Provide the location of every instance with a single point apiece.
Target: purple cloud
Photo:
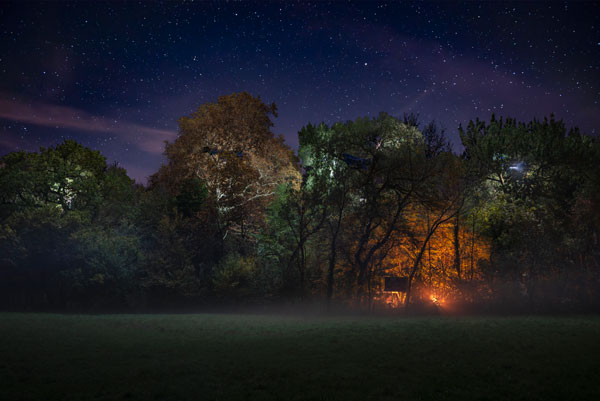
(147, 139)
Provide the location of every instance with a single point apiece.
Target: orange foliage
(438, 279)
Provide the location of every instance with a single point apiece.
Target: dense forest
(234, 217)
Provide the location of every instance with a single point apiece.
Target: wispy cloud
(147, 139)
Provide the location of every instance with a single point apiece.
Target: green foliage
(175, 264)
(40, 237)
(536, 160)
(181, 240)
(227, 218)
(119, 197)
(66, 227)
(533, 179)
(191, 197)
(369, 172)
(236, 278)
(106, 272)
(67, 176)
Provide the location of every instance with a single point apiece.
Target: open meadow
(258, 357)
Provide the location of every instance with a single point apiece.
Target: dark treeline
(235, 218)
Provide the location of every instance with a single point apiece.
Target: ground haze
(237, 357)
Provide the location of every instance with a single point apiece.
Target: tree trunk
(457, 266)
(301, 267)
(331, 268)
(411, 276)
(333, 257)
(369, 291)
(419, 257)
(473, 248)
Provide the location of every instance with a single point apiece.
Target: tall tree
(229, 146)
(57, 202)
(531, 173)
(375, 167)
(329, 181)
(440, 201)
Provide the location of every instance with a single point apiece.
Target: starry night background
(117, 76)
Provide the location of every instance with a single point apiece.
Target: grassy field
(249, 357)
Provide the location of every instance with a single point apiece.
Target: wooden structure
(396, 287)
(395, 284)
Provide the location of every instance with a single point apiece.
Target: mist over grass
(270, 357)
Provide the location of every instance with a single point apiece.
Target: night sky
(117, 76)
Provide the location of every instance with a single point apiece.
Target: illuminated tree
(229, 146)
(531, 174)
(374, 168)
(65, 226)
(67, 176)
(328, 180)
(437, 204)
